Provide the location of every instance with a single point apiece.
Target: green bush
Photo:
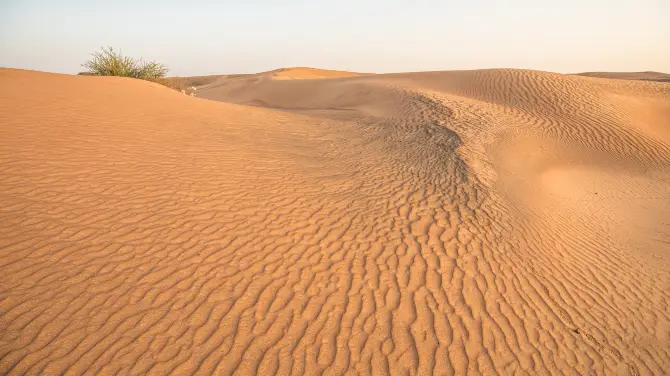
(112, 63)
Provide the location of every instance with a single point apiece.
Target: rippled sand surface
(438, 223)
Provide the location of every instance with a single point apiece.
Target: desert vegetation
(110, 62)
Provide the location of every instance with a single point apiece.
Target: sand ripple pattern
(440, 223)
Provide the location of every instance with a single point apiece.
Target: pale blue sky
(210, 37)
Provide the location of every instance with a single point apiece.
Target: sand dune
(310, 73)
(645, 76)
(277, 74)
(466, 222)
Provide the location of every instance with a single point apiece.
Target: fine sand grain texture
(442, 223)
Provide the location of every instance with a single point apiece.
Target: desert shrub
(112, 63)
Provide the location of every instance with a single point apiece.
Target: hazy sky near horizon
(218, 37)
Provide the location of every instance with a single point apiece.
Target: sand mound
(195, 81)
(310, 73)
(645, 76)
(278, 74)
(471, 222)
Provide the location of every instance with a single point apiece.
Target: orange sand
(447, 223)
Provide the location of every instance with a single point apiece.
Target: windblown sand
(447, 223)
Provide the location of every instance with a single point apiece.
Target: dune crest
(303, 73)
(467, 222)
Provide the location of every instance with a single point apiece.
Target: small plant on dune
(111, 63)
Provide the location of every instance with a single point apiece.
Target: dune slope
(646, 76)
(472, 222)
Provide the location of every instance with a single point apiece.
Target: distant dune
(279, 74)
(197, 80)
(467, 222)
(645, 76)
(310, 73)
